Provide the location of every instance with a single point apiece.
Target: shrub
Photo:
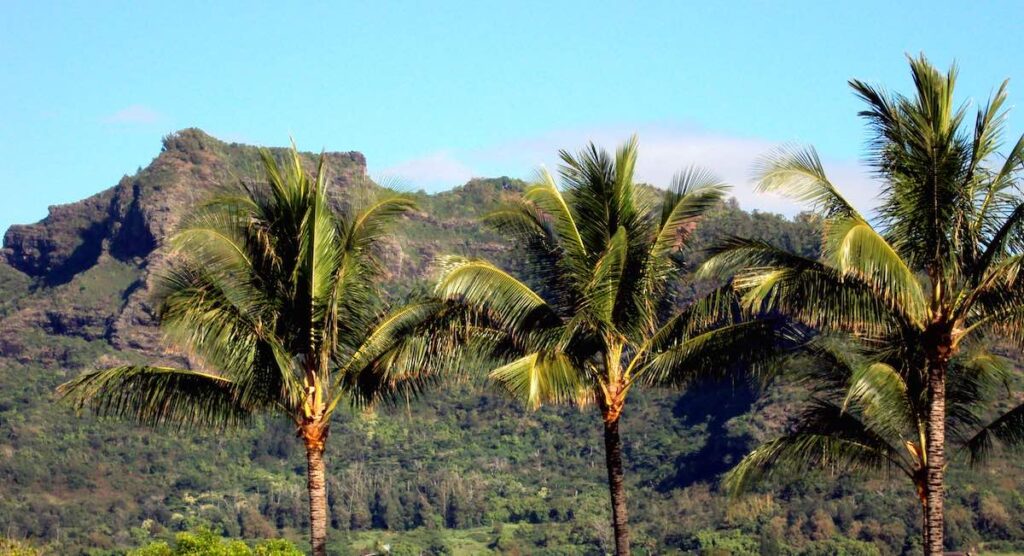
(204, 542)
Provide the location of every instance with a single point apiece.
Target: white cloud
(664, 151)
(135, 114)
(441, 169)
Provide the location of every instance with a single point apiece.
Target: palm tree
(941, 263)
(868, 414)
(598, 319)
(273, 295)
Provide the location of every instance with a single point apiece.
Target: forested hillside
(460, 470)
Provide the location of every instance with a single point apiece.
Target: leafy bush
(726, 543)
(204, 542)
(11, 547)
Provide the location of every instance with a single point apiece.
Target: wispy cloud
(436, 170)
(664, 151)
(135, 114)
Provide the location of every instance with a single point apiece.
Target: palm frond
(996, 248)
(490, 289)
(604, 289)
(771, 279)
(546, 196)
(854, 247)
(717, 307)
(1007, 429)
(976, 377)
(215, 234)
(409, 348)
(541, 378)
(603, 194)
(798, 173)
(919, 150)
(726, 350)
(804, 451)
(997, 307)
(693, 192)
(375, 220)
(557, 262)
(878, 391)
(221, 320)
(988, 127)
(998, 194)
(158, 396)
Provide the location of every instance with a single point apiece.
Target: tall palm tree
(597, 319)
(867, 413)
(940, 264)
(273, 294)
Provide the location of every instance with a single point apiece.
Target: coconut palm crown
(273, 295)
(598, 319)
(937, 271)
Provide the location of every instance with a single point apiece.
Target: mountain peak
(190, 138)
(130, 219)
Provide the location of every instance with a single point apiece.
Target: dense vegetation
(463, 470)
(466, 470)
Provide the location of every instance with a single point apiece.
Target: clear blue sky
(436, 91)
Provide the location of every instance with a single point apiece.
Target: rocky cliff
(91, 263)
(86, 270)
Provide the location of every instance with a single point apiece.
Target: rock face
(66, 241)
(129, 219)
(111, 244)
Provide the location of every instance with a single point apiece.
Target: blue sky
(434, 93)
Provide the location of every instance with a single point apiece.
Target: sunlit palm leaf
(798, 173)
(484, 285)
(853, 247)
(158, 396)
(540, 378)
(693, 192)
(797, 453)
(548, 198)
(880, 393)
(604, 289)
(771, 279)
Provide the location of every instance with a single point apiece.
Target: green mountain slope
(466, 469)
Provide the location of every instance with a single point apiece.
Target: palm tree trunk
(317, 484)
(924, 522)
(613, 458)
(936, 456)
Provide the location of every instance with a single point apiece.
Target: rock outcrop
(97, 258)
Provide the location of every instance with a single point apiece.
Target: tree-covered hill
(463, 471)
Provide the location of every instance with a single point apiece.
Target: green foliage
(840, 546)
(465, 462)
(11, 547)
(204, 542)
(723, 543)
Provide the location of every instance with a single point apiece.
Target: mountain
(465, 471)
